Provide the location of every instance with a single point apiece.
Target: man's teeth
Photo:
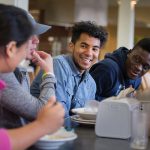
(85, 59)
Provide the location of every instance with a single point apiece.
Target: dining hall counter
(87, 140)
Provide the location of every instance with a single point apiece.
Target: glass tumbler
(139, 136)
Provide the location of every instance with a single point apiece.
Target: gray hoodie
(16, 100)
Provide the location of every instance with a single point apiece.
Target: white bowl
(55, 140)
(85, 113)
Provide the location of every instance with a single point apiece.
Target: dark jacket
(110, 75)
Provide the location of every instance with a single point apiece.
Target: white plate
(85, 113)
(55, 140)
(78, 119)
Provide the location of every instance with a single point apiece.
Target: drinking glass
(139, 137)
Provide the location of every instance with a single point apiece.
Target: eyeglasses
(136, 59)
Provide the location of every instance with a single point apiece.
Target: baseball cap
(38, 28)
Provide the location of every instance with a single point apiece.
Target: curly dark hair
(91, 29)
(144, 44)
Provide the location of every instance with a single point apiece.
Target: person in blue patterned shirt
(74, 84)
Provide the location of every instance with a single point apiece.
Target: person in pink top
(14, 41)
(5, 140)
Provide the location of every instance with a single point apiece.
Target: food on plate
(62, 133)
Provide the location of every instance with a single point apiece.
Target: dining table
(88, 140)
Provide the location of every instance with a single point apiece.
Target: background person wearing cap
(38, 29)
(16, 100)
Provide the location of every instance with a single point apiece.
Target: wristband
(47, 73)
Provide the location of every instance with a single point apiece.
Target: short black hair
(14, 25)
(91, 29)
(144, 44)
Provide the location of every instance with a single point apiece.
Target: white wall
(19, 3)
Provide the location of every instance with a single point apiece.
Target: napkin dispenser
(114, 117)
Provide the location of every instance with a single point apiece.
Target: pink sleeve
(4, 140)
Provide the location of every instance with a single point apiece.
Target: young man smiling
(121, 69)
(74, 83)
